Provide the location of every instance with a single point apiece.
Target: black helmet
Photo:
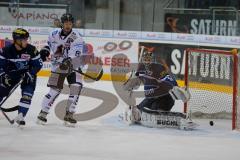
(20, 33)
(67, 17)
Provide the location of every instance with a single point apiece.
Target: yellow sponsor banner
(193, 85)
(105, 77)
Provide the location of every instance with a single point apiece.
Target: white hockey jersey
(73, 44)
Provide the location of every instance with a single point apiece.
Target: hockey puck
(211, 123)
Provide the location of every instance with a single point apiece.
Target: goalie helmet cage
(211, 76)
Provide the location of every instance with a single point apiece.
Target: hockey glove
(140, 73)
(5, 80)
(66, 63)
(44, 53)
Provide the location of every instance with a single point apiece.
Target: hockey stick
(97, 78)
(13, 89)
(10, 93)
(6, 116)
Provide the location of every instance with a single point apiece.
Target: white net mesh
(210, 82)
(210, 104)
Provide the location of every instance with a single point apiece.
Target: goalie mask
(147, 57)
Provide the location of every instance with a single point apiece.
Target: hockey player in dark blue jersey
(19, 63)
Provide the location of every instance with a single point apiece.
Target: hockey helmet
(148, 56)
(20, 33)
(67, 17)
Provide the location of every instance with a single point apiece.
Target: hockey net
(211, 76)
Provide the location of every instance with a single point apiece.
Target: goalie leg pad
(160, 120)
(167, 120)
(56, 80)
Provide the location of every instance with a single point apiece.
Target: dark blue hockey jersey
(26, 60)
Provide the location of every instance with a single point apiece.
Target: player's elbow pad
(36, 66)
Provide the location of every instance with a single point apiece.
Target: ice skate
(42, 118)
(69, 121)
(20, 120)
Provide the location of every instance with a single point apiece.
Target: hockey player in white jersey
(65, 45)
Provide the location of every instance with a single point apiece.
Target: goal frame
(234, 54)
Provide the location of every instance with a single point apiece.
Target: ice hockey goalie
(161, 91)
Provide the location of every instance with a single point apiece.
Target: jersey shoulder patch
(78, 34)
(55, 32)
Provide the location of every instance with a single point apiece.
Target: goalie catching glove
(178, 93)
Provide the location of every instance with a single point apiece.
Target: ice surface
(107, 138)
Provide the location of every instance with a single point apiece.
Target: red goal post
(211, 76)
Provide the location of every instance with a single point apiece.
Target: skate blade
(68, 124)
(41, 122)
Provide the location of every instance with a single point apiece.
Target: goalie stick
(133, 72)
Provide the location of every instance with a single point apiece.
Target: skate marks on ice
(109, 102)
